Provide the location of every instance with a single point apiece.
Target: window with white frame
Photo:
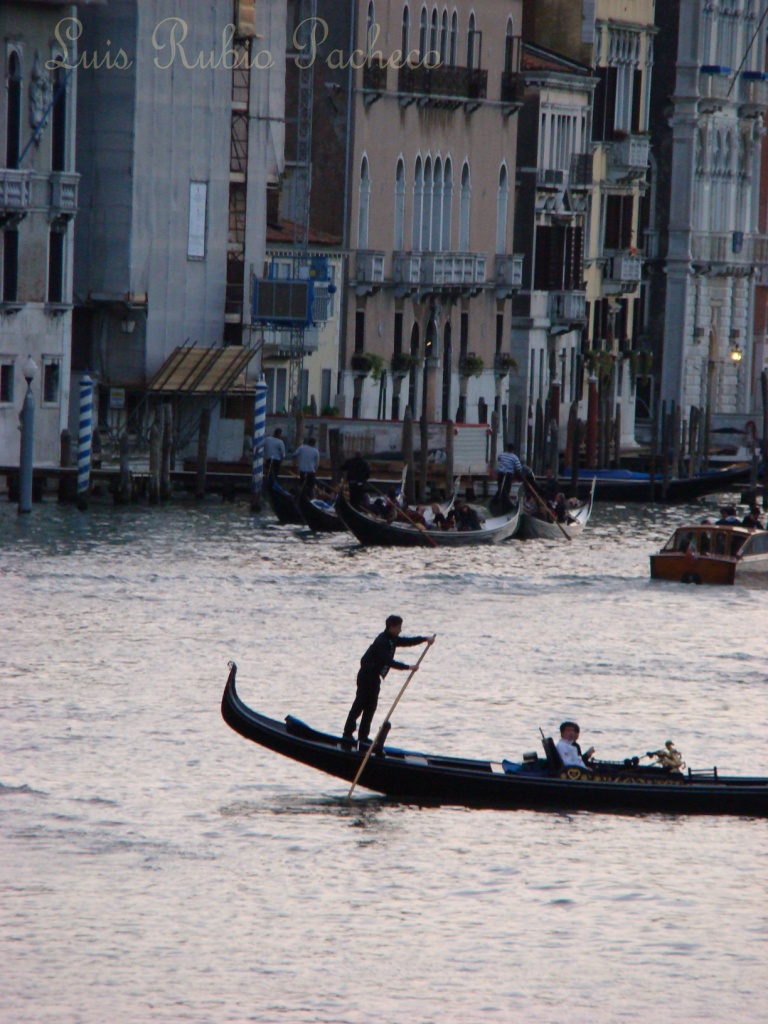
(426, 210)
(405, 33)
(436, 237)
(444, 37)
(7, 376)
(471, 43)
(445, 240)
(453, 57)
(399, 239)
(423, 32)
(51, 380)
(434, 38)
(464, 208)
(364, 207)
(13, 111)
(624, 56)
(277, 389)
(418, 200)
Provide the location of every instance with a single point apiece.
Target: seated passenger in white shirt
(569, 750)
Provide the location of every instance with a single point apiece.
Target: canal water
(156, 867)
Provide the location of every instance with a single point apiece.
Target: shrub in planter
(367, 363)
(503, 362)
(471, 365)
(402, 362)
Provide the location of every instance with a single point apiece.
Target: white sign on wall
(198, 194)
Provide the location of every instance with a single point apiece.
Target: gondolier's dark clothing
(374, 665)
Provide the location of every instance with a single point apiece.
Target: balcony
(566, 310)
(374, 82)
(286, 345)
(628, 158)
(623, 272)
(753, 93)
(550, 179)
(406, 273)
(443, 86)
(509, 275)
(731, 253)
(715, 85)
(512, 91)
(63, 195)
(369, 271)
(447, 272)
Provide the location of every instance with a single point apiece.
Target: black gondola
(374, 531)
(320, 516)
(533, 784)
(625, 485)
(284, 505)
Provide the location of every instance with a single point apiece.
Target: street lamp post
(27, 427)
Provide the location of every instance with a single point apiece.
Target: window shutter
(637, 92)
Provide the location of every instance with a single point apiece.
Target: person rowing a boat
(569, 749)
(374, 665)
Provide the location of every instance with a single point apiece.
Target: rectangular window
(326, 383)
(464, 335)
(51, 380)
(398, 335)
(619, 212)
(10, 266)
(359, 330)
(59, 121)
(6, 380)
(304, 388)
(198, 196)
(281, 390)
(56, 267)
(499, 331)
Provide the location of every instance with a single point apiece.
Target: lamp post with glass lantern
(27, 427)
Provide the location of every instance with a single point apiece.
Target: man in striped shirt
(508, 468)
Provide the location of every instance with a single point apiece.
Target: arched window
(13, 114)
(454, 54)
(471, 32)
(444, 38)
(399, 239)
(445, 240)
(418, 200)
(405, 34)
(365, 202)
(370, 28)
(59, 121)
(423, 24)
(434, 40)
(437, 206)
(426, 213)
(511, 57)
(464, 209)
(502, 206)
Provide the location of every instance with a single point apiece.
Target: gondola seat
(554, 761)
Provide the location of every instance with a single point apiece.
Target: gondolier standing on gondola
(374, 665)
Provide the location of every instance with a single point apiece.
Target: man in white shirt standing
(569, 750)
(274, 453)
(307, 460)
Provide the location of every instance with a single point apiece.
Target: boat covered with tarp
(534, 782)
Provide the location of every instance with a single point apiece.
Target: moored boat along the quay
(711, 553)
(535, 783)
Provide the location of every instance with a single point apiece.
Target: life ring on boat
(691, 577)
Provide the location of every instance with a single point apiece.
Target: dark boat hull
(424, 779)
(618, 486)
(284, 506)
(318, 519)
(372, 531)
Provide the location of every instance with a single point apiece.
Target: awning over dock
(201, 371)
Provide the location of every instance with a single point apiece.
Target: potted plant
(365, 363)
(503, 362)
(471, 365)
(402, 362)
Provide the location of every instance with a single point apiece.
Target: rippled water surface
(156, 867)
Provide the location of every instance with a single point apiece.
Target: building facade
(413, 153)
(707, 240)
(38, 202)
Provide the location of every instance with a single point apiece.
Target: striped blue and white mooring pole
(85, 436)
(259, 436)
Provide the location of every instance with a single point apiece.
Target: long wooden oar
(424, 533)
(547, 509)
(386, 720)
